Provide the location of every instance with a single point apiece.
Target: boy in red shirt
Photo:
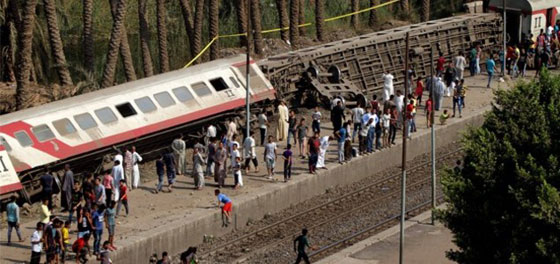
(81, 248)
(123, 199)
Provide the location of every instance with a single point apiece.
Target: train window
(105, 115)
(4, 143)
(23, 138)
(219, 84)
(234, 81)
(145, 104)
(85, 121)
(164, 99)
(42, 132)
(64, 126)
(126, 110)
(183, 94)
(201, 89)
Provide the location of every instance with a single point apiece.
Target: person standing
(226, 207)
(117, 173)
(341, 136)
(387, 85)
(399, 102)
(393, 127)
(316, 123)
(170, 166)
(371, 132)
(250, 153)
(472, 60)
(287, 156)
(457, 99)
(110, 214)
(410, 118)
(109, 185)
(386, 120)
(440, 65)
(263, 125)
(198, 169)
(47, 181)
(211, 133)
(98, 217)
(85, 224)
(12, 213)
(378, 131)
(178, 146)
(374, 103)
(210, 157)
(160, 171)
(419, 90)
(313, 152)
(302, 137)
(87, 189)
(127, 172)
(357, 113)
(477, 62)
(460, 63)
(337, 116)
(45, 213)
(522, 62)
(231, 129)
(37, 244)
(300, 243)
(67, 186)
(77, 196)
(99, 190)
(270, 156)
(292, 123)
(236, 166)
(450, 74)
(123, 198)
(220, 160)
(282, 128)
(439, 89)
(490, 68)
(428, 110)
(136, 158)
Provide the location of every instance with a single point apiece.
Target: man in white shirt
(36, 244)
(236, 166)
(117, 173)
(460, 63)
(263, 123)
(136, 158)
(250, 153)
(399, 103)
(179, 147)
(232, 129)
(438, 94)
(357, 113)
(387, 85)
(270, 157)
(210, 133)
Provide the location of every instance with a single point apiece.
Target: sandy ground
(149, 210)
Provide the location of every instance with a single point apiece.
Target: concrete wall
(174, 237)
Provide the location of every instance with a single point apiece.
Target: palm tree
(126, 56)
(24, 52)
(214, 24)
(257, 26)
(241, 11)
(145, 39)
(301, 18)
(355, 18)
(294, 30)
(55, 42)
(13, 22)
(186, 9)
(162, 35)
(373, 13)
(114, 45)
(198, 21)
(319, 13)
(87, 35)
(425, 10)
(282, 18)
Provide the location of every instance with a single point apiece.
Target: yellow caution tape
(285, 28)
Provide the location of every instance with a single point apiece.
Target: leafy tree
(504, 205)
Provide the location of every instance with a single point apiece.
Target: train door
(549, 17)
(513, 27)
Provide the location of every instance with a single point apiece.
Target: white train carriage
(65, 130)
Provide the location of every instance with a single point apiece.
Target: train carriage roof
(121, 89)
(525, 5)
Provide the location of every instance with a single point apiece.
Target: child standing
(123, 199)
(270, 156)
(110, 223)
(65, 239)
(287, 155)
(316, 117)
(302, 137)
(98, 219)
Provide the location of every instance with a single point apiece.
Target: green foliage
(504, 206)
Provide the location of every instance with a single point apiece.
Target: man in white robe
(136, 158)
(388, 88)
(324, 141)
(282, 129)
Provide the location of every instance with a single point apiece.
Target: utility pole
(405, 136)
(505, 41)
(432, 85)
(248, 71)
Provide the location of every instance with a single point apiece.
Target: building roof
(525, 5)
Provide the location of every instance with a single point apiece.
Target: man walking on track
(226, 207)
(302, 242)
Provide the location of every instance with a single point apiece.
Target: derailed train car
(152, 111)
(353, 67)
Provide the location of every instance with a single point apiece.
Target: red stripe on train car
(10, 188)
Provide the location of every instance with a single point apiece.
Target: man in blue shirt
(98, 219)
(226, 208)
(490, 67)
(12, 212)
(341, 135)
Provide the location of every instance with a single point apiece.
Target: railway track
(256, 246)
